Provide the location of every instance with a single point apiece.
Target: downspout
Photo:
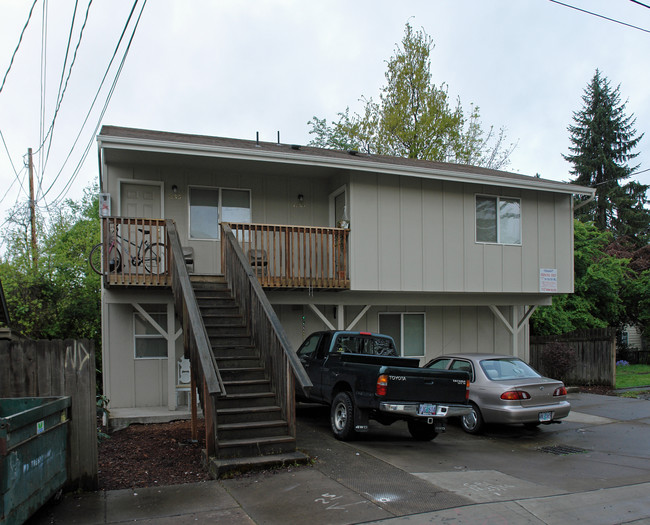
(583, 204)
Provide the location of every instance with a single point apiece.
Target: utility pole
(32, 206)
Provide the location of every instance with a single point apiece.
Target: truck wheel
(421, 431)
(472, 423)
(342, 417)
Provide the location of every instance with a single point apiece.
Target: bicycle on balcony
(148, 254)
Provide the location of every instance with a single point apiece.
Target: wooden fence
(59, 368)
(596, 356)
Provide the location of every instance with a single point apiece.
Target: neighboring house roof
(114, 137)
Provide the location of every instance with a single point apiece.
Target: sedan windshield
(503, 369)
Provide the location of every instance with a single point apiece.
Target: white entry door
(140, 200)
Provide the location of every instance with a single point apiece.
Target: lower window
(407, 329)
(149, 343)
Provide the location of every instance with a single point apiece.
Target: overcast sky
(234, 67)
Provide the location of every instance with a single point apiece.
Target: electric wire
(77, 169)
(640, 3)
(19, 41)
(83, 125)
(65, 85)
(17, 178)
(10, 160)
(43, 72)
(600, 16)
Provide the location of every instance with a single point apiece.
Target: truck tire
(421, 431)
(342, 417)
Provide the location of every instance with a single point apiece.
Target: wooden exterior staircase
(242, 363)
(249, 417)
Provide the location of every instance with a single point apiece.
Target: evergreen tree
(414, 118)
(603, 139)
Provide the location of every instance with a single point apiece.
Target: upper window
(407, 329)
(209, 206)
(498, 220)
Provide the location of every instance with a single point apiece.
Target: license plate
(545, 416)
(427, 409)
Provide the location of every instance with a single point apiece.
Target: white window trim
(401, 343)
(498, 199)
(147, 336)
(219, 208)
(332, 199)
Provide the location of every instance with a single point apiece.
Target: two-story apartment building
(443, 257)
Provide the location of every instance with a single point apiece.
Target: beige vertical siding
(419, 235)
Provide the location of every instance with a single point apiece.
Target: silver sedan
(504, 389)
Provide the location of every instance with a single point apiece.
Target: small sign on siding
(548, 280)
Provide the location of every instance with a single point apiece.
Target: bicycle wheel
(154, 258)
(96, 258)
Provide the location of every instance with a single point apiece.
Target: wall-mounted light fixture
(300, 203)
(175, 193)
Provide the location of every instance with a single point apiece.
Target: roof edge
(489, 177)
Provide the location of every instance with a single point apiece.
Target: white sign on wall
(548, 280)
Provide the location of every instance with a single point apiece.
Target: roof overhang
(486, 177)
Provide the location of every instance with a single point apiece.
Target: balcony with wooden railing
(136, 252)
(296, 256)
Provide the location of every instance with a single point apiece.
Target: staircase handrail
(299, 372)
(185, 298)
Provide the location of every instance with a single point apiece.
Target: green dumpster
(33, 444)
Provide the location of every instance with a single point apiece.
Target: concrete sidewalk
(502, 477)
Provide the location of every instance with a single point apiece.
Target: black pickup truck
(361, 377)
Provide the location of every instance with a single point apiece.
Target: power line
(640, 3)
(108, 98)
(600, 16)
(19, 41)
(92, 105)
(10, 160)
(61, 94)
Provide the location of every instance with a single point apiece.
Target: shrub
(558, 359)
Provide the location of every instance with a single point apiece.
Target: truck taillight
(382, 385)
(467, 390)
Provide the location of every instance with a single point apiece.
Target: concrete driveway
(593, 468)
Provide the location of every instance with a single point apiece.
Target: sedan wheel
(473, 422)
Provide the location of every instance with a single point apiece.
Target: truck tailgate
(426, 385)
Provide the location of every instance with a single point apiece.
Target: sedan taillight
(515, 395)
(560, 391)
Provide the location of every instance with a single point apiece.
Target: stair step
(228, 330)
(224, 314)
(237, 362)
(242, 373)
(247, 400)
(229, 341)
(251, 430)
(242, 415)
(234, 448)
(254, 386)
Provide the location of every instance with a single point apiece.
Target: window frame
(220, 190)
(157, 335)
(400, 344)
(498, 200)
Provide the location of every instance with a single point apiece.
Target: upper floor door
(140, 200)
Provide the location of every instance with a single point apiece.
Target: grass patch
(630, 376)
(634, 393)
